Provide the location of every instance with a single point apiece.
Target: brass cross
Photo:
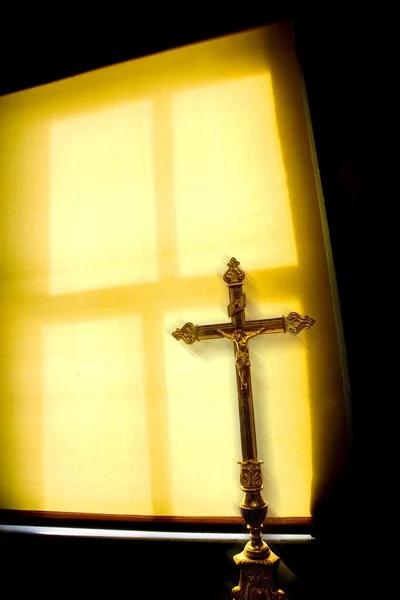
(253, 506)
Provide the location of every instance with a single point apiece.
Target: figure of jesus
(242, 357)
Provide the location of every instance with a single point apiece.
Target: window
(126, 192)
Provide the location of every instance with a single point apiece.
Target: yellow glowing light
(282, 402)
(94, 417)
(102, 211)
(229, 176)
(202, 420)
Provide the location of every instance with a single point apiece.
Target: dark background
(335, 55)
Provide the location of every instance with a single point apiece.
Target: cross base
(257, 577)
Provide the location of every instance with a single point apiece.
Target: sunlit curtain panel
(123, 194)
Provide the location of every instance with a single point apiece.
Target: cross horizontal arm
(293, 324)
(191, 333)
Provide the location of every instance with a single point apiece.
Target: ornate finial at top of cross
(234, 274)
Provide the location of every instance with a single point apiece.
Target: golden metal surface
(257, 578)
(187, 333)
(295, 323)
(257, 563)
(242, 356)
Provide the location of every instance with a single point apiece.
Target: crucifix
(257, 563)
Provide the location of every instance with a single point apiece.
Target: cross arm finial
(187, 333)
(294, 323)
